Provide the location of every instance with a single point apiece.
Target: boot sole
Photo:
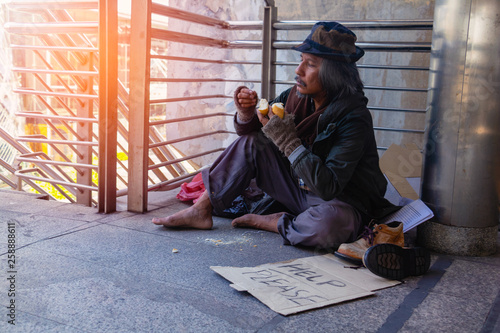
(396, 263)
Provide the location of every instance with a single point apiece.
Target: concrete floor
(80, 271)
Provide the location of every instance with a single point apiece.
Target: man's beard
(302, 83)
(302, 95)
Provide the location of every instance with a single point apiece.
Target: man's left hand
(282, 132)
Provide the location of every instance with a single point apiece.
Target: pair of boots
(381, 250)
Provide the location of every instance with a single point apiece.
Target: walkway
(80, 271)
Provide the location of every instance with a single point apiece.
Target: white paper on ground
(303, 284)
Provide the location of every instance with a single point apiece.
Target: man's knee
(324, 226)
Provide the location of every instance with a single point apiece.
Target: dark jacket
(342, 162)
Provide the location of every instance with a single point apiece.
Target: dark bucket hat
(331, 40)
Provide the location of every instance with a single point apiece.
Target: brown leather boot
(391, 233)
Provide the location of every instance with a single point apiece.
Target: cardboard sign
(305, 283)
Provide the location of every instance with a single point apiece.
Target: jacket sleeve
(248, 127)
(344, 144)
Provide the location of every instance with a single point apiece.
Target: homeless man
(320, 161)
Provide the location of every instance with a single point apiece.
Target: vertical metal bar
(108, 86)
(84, 131)
(268, 53)
(101, 192)
(140, 46)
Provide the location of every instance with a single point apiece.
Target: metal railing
(141, 79)
(71, 62)
(58, 94)
(65, 75)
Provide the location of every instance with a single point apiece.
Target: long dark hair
(340, 78)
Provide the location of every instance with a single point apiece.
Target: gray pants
(312, 221)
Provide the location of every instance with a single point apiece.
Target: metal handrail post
(84, 130)
(18, 180)
(108, 103)
(269, 35)
(140, 44)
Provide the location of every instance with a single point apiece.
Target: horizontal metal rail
(21, 158)
(245, 44)
(185, 158)
(54, 72)
(160, 9)
(57, 177)
(36, 114)
(364, 66)
(176, 120)
(368, 87)
(385, 108)
(21, 174)
(246, 25)
(393, 67)
(37, 28)
(53, 4)
(172, 183)
(180, 37)
(424, 90)
(54, 48)
(358, 25)
(396, 46)
(59, 142)
(212, 61)
(185, 80)
(403, 130)
(187, 138)
(370, 46)
(53, 94)
(189, 98)
(187, 16)
(165, 185)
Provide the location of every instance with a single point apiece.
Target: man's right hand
(246, 101)
(247, 98)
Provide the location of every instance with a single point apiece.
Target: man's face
(307, 78)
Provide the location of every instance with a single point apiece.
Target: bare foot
(263, 222)
(198, 216)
